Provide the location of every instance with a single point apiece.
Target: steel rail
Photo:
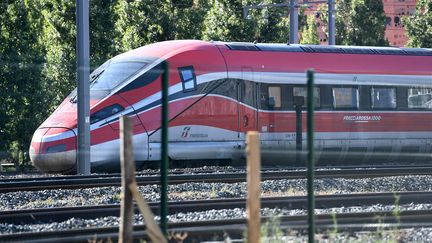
(41, 177)
(216, 229)
(29, 216)
(86, 182)
(8, 176)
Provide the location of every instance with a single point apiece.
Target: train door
(247, 93)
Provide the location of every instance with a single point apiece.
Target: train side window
(383, 98)
(420, 98)
(105, 113)
(345, 98)
(302, 91)
(188, 78)
(274, 96)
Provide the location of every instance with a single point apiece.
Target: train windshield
(108, 76)
(111, 74)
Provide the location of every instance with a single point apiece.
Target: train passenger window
(188, 78)
(274, 96)
(383, 98)
(345, 98)
(302, 91)
(420, 98)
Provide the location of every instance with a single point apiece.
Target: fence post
(298, 104)
(311, 159)
(128, 177)
(254, 188)
(164, 149)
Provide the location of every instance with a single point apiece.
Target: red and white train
(368, 100)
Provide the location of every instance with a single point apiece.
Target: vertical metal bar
(299, 129)
(331, 21)
(164, 148)
(293, 22)
(310, 145)
(83, 67)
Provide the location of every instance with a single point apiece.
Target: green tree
(21, 93)
(59, 39)
(225, 22)
(142, 22)
(358, 22)
(309, 34)
(102, 31)
(419, 26)
(367, 24)
(187, 18)
(342, 16)
(273, 25)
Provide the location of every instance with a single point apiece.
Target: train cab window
(420, 98)
(345, 98)
(383, 98)
(274, 97)
(188, 78)
(302, 91)
(105, 113)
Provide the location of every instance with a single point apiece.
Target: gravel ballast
(75, 223)
(194, 191)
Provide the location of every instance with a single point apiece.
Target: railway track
(215, 229)
(29, 216)
(74, 182)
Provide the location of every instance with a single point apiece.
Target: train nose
(53, 150)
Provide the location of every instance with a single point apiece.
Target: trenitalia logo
(362, 118)
(185, 132)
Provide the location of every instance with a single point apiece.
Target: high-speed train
(368, 100)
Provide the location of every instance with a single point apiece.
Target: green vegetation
(38, 46)
(419, 26)
(358, 22)
(310, 34)
(21, 79)
(271, 231)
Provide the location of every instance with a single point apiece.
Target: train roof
(160, 49)
(244, 46)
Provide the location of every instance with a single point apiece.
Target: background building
(395, 10)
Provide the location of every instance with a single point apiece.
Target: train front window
(110, 75)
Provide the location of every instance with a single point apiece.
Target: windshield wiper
(93, 80)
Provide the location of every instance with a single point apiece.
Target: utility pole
(83, 68)
(331, 21)
(293, 22)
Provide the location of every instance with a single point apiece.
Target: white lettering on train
(362, 118)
